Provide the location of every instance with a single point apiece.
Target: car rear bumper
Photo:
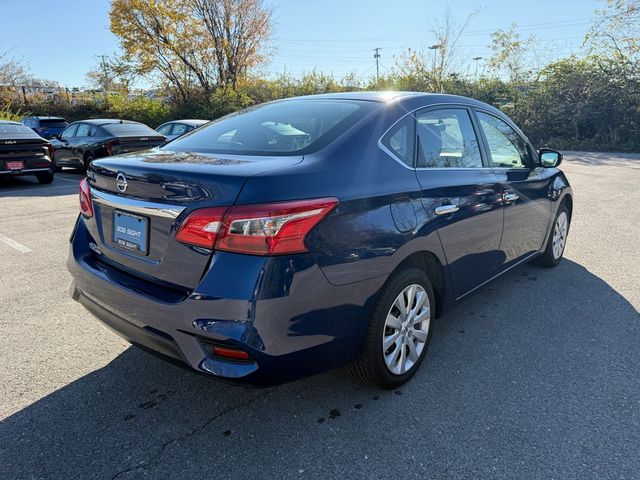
(280, 310)
(26, 171)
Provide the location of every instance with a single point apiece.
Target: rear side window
(446, 139)
(507, 148)
(400, 140)
(290, 127)
(129, 130)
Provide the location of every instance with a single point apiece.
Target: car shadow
(501, 351)
(28, 185)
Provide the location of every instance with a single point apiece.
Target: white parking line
(68, 180)
(12, 243)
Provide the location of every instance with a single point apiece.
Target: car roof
(190, 121)
(9, 122)
(44, 117)
(396, 97)
(104, 121)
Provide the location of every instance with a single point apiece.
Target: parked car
(24, 152)
(46, 127)
(309, 233)
(177, 128)
(82, 142)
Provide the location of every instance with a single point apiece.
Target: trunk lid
(32, 151)
(123, 145)
(141, 199)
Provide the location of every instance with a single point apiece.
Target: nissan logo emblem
(121, 182)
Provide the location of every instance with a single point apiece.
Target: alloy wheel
(560, 235)
(406, 329)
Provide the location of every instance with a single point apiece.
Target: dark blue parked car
(314, 232)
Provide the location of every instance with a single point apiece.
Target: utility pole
(376, 56)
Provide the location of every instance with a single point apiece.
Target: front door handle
(511, 197)
(446, 209)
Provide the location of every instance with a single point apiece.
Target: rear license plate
(14, 165)
(131, 232)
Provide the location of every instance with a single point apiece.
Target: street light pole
(476, 59)
(435, 49)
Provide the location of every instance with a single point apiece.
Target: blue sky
(61, 39)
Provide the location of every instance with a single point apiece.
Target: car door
(81, 140)
(63, 145)
(460, 193)
(525, 188)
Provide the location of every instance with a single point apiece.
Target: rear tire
(45, 178)
(407, 336)
(557, 241)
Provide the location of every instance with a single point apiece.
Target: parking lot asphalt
(535, 376)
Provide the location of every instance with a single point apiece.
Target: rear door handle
(511, 197)
(446, 209)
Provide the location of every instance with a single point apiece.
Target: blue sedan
(314, 232)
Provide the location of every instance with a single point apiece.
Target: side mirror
(549, 158)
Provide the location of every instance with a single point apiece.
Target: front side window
(507, 148)
(290, 127)
(400, 140)
(69, 132)
(165, 129)
(446, 139)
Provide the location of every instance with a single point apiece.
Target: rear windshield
(54, 123)
(130, 130)
(9, 130)
(290, 127)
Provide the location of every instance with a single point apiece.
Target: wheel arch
(431, 265)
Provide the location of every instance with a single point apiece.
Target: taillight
(109, 146)
(201, 228)
(51, 151)
(268, 229)
(86, 205)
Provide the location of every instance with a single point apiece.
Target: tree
(192, 43)
(510, 55)
(12, 72)
(238, 31)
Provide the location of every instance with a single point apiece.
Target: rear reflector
(86, 205)
(267, 229)
(231, 353)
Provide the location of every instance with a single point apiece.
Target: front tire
(399, 331)
(557, 241)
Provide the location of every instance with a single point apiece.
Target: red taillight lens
(86, 205)
(51, 151)
(201, 228)
(269, 229)
(273, 229)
